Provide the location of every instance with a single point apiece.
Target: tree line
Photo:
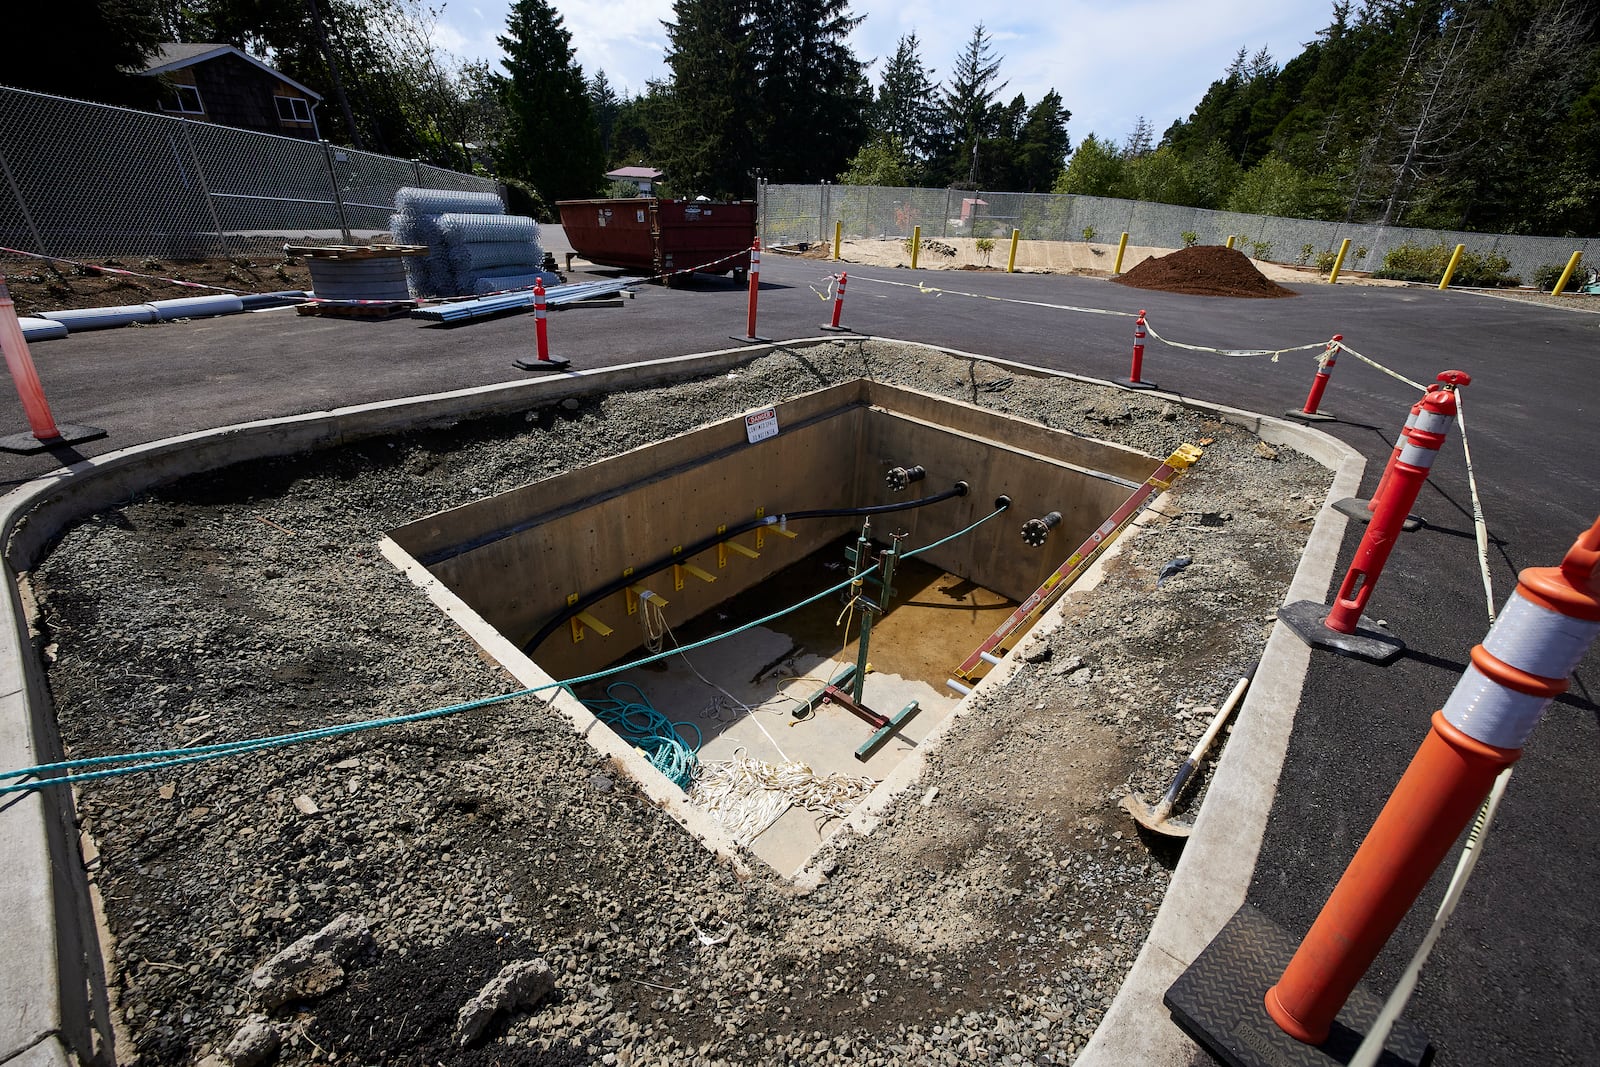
(1467, 115)
(1463, 114)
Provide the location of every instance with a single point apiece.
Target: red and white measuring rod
(1104, 534)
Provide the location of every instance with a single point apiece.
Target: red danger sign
(762, 424)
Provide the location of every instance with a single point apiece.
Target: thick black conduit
(615, 587)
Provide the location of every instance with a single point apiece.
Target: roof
(174, 55)
(645, 173)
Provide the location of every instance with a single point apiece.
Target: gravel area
(991, 917)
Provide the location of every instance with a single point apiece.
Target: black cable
(617, 586)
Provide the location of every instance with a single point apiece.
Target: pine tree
(606, 105)
(708, 130)
(966, 107)
(905, 108)
(90, 49)
(1042, 146)
(551, 140)
(813, 95)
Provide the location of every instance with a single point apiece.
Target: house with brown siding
(221, 84)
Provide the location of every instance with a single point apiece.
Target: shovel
(1156, 819)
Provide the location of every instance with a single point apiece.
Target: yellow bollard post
(1229, 242)
(838, 236)
(1449, 271)
(1011, 260)
(1566, 275)
(1338, 261)
(1122, 246)
(916, 245)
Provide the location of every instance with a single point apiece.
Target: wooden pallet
(364, 309)
(355, 251)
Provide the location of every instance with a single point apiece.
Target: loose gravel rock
(991, 917)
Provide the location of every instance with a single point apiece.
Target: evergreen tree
(966, 110)
(1042, 145)
(551, 140)
(606, 104)
(89, 49)
(813, 95)
(904, 112)
(707, 136)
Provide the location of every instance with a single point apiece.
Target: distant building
(219, 83)
(645, 178)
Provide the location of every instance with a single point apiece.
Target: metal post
(205, 190)
(338, 196)
(22, 205)
(948, 195)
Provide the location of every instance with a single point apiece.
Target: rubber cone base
(1129, 383)
(26, 444)
(1219, 1001)
(551, 364)
(1356, 508)
(1312, 416)
(1308, 619)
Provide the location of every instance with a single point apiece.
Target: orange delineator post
(541, 331)
(838, 300)
(19, 361)
(1524, 663)
(1134, 380)
(541, 334)
(1319, 384)
(1423, 442)
(755, 285)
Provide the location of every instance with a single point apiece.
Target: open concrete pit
(993, 908)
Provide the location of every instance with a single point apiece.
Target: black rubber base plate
(1129, 383)
(1356, 508)
(1219, 1001)
(551, 364)
(26, 444)
(1312, 416)
(1307, 619)
(751, 340)
(831, 328)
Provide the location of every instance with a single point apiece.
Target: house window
(293, 109)
(183, 99)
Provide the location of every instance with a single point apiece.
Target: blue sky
(1112, 60)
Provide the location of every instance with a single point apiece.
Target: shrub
(1546, 275)
(985, 246)
(1305, 254)
(1325, 261)
(1262, 249)
(1414, 263)
(1190, 238)
(524, 199)
(1088, 233)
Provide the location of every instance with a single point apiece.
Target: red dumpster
(661, 236)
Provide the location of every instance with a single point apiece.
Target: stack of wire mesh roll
(474, 247)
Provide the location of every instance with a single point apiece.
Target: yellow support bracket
(584, 619)
(634, 593)
(680, 569)
(722, 549)
(747, 553)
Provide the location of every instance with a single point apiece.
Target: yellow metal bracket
(680, 569)
(762, 531)
(723, 546)
(584, 619)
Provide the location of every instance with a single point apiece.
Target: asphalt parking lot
(1509, 980)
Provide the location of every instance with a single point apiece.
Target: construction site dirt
(992, 915)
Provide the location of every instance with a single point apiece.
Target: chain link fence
(805, 213)
(81, 179)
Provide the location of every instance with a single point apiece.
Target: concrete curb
(51, 972)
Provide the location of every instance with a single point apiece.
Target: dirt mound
(1205, 270)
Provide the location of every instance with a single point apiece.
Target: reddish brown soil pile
(42, 285)
(1205, 270)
